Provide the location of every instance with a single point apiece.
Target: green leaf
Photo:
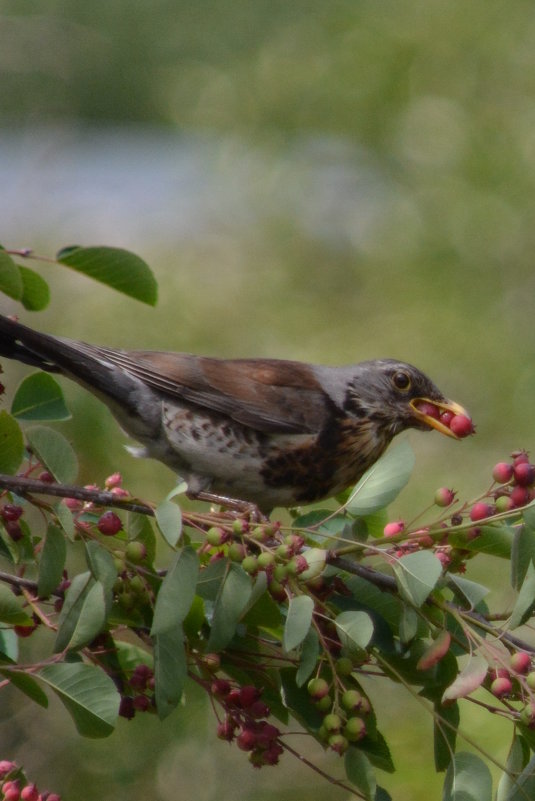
(140, 529)
(52, 561)
(383, 481)
(517, 760)
(525, 601)
(177, 592)
(468, 590)
(92, 617)
(355, 630)
(309, 657)
(495, 540)
(377, 751)
(115, 267)
(297, 700)
(9, 645)
(522, 554)
(55, 453)
(445, 726)
(10, 277)
(169, 521)
(11, 611)
(470, 678)
(232, 599)
(39, 397)
(26, 684)
(101, 564)
(11, 444)
(170, 670)
(360, 772)
(72, 606)
(467, 779)
(88, 694)
(417, 575)
(298, 620)
(66, 520)
(35, 290)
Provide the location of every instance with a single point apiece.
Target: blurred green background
(322, 181)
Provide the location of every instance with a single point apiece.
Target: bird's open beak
(441, 406)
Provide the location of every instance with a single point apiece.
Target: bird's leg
(243, 508)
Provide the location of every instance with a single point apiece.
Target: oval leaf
(52, 561)
(383, 481)
(55, 453)
(169, 521)
(39, 397)
(232, 599)
(70, 612)
(360, 772)
(35, 290)
(10, 277)
(101, 564)
(177, 592)
(115, 267)
(355, 629)
(436, 651)
(298, 621)
(27, 685)
(309, 657)
(469, 679)
(467, 779)
(417, 575)
(170, 670)
(11, 444)
(10, 610)
(89, 695)
(91, 619)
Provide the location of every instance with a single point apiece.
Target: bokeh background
(322, 181)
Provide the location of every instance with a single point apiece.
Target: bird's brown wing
(272, 396)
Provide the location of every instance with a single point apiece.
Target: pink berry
(444, 496)
(246, 740)
(501, 687)
(394, 528)
(30, 793)
(524, 474)
(519, 496)
(248, 695)
(520, 662)
(446, 418)
(10, 512)
(6, 766)
(226, 729)
(480, 510)
(113, 481)
(109, 524)
(520, 457)
(429, 409)
(502, 472)
(461, 425)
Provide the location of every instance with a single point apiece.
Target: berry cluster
(264, 549)
(343, 722)
(516, 683)
(141, 684)
(14, 786)
(245, 722)
(458, 424)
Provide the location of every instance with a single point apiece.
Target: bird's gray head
(389, 393)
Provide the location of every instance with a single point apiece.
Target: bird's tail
(25, 345)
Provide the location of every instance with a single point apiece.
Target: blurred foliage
(384, 157)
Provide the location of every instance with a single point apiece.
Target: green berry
(265, 559)
(317, 688)
(355, 729)
(324, 704)
(344, 666)
(136, 552)
(237, 552)
(332, 722)
(216, 536)
(338, 743)
(250, 565)
(351, 700)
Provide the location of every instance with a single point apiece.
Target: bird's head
(396, 396)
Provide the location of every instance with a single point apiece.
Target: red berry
(480, 510)
(24, 631)
(394, 528)
(30, 793)
(220, 687)
(10, 512)
(524, 474)
(444, 496)
(259, 709)
(113, 481)
(519, 496)
(13, 530)
(501, 687)
(520, 662)
(109, 524)
(47, 477)
(141, 703)
(248, 695)
(53, 797)
(519, 457)
(6, 766)
(429, 409)
(126, 707)
(246, 740)
(461, 425)
(446, 418)
(226, 729)
(502, 472)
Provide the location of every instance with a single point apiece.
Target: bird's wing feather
(271, 396)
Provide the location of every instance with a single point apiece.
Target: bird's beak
(441, 406)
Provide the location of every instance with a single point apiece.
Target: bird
(265, 432)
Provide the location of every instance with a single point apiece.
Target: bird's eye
(401, 380)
